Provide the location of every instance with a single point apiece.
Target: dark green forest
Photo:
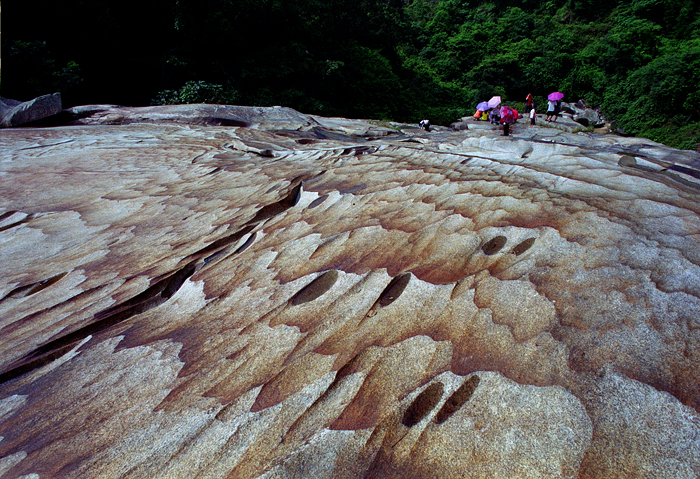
(400, 60)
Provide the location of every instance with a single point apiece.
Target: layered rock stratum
(231, 292)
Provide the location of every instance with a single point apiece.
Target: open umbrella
(483, 106)
(554, 96)
(494, 102)
(508, 114)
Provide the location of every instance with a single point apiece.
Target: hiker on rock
(551, 105)
(529, 102)
(557, 110)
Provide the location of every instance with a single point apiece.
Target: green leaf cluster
(41, 72)
(637, 60)
(195, 92)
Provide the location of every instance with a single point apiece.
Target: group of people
(506, 115)
(553, 112)
(553, 109)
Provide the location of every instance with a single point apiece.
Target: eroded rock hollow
(240, 292)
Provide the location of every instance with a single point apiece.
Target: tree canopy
(399, 60)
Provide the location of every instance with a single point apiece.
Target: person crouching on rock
(507, 118)
(424, 125)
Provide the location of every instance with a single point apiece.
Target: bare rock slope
(214, 292)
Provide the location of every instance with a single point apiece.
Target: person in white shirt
(551, 105)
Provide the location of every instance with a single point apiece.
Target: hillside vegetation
(397, 60)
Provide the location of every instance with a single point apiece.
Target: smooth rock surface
(207, 291)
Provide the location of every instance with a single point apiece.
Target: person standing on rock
(551, 105)
(557, 109)
(529, 102)
(533, 115)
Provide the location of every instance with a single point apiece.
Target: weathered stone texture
(15, 113)
(244, 292)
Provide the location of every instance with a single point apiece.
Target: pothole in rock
(523, 246)
(458, 399)
(394, 289)
(316, 288)
(423, 404)
(318, 201)
(494, 245)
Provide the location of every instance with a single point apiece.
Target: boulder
(194, 114)
(6, 104)
(590, 117)
(584, 115)
(16, 113)
(288, 296)
(573, 108)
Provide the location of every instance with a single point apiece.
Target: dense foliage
(402, 60)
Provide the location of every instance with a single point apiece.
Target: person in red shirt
(529, 101)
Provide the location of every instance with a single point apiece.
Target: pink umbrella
(554, 96)
(508, 115)
(494, 102)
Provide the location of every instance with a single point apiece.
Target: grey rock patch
(16, 113)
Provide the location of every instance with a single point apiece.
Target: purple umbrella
(494, 102)
(554, 96)
(483, 106)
